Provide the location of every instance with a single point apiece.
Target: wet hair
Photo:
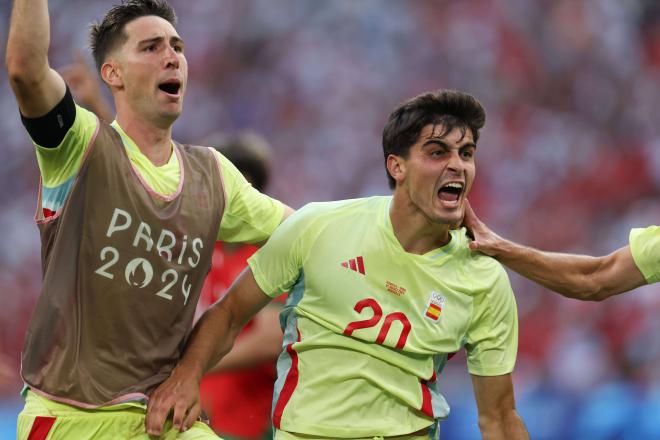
(449, 108)
(249, 152)
(109, 33)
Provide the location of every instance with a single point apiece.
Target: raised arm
(498, 418)
(575, 276)
(211, 339)
(37, 87)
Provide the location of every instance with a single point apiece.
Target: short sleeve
(645, 249)
(249, 216)
(59, 164)
(492, 338)
(278, 264)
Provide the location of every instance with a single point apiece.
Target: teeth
(454, 185)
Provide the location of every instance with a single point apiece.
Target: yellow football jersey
(368, 327)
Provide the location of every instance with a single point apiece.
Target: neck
(416, 233)
(153, 141)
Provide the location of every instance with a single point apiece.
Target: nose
(171, 58)
(455, 162)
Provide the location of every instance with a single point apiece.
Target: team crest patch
(434, 307)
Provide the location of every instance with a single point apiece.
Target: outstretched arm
(498, 418)
(211, 339)
(37, 87)
(575, 276)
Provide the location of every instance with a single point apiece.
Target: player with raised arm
(576, 276)
(236, 394)
(381, 293)
(128, 218)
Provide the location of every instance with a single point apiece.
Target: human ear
(396, 166)
(111, 74)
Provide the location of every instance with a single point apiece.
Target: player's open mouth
(171, 87)
(450, 193)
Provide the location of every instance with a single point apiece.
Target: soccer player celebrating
(128, 219)
(576, 276)
(381, 293)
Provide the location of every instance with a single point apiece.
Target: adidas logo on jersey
(355, 264)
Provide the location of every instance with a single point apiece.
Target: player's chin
(170, 114)
(451, 215)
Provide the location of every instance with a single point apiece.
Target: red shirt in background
(238, 403)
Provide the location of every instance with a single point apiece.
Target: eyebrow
(173, 39)
(439, 141)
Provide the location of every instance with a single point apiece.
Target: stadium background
(569, 160)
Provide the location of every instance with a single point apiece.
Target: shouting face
(148, 72)
(437, 175)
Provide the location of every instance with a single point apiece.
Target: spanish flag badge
(435, 305)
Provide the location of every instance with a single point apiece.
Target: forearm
(247, 353)
(215, 333)
(211, 339)
(571, 275)
(27, 59)
(29, 36)
(507, 426)
(262, 343)
(575, 276)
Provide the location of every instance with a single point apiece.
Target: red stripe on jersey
(427, 405)
(352, 263)
(345, 264)
(41, 427)
(290, 384)
(360, 263)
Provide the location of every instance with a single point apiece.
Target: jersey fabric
(368, 326)
(645, 249)
(44, 419)
(249, 216)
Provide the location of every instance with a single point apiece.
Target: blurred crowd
(569, 158)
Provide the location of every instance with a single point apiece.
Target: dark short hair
(449, 108)
(249, 152)
(109, 33)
